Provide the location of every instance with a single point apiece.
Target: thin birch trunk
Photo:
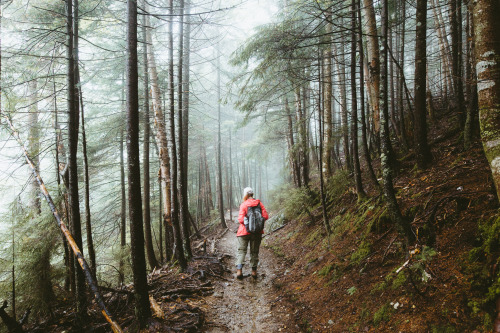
(145, 154)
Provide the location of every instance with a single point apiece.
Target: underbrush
(482, 266)
(363, 261)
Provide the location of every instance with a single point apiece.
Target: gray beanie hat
(247, 190)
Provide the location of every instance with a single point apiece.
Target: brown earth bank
(360, 280)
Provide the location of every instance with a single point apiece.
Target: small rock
(330, 322)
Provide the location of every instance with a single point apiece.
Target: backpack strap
(260, 206)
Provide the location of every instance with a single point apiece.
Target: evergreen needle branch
(67, 234)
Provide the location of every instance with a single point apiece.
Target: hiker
(252, 216)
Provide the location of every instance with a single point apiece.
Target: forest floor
(360, 280)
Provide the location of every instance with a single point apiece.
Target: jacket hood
(251, 202)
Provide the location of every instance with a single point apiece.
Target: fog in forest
(368, 129)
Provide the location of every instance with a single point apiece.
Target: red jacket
(250, 202)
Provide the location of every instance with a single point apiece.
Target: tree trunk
(73, 127)
(209, 204)
(162, 144)
(183, 200)
(179, 252)
(487, 59)
(456, 51)
(301, 137)
(63, 204)
(422, 151)
(373, 61)
(231, 201)
(123, 211)
(145, 154)
(471, 119)
(327, 100)
(88, 223)
(219, 152)
(392, 205)
(142, 309)
(320, 155)
(343, 98)
(394, 124)
(401, 83)
(354, 108)
(304, 135)
(185, 108)
(291, 147)
(34, 145)
(364, 141)
(446, 66)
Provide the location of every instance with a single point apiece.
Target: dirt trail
(246, 305)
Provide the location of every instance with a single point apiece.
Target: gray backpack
(254, 221)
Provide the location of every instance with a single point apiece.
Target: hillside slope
(359, 279)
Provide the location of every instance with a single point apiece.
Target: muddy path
(246, 305)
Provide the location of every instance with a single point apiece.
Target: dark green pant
(254, 240)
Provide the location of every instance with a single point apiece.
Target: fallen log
(67, 234)
(118, 291)
(188, 291)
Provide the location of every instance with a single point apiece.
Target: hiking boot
(254, 273)
(239, 274)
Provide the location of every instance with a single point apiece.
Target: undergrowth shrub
(484, 276)
(337, 184)
(294, 202)
(32, 246)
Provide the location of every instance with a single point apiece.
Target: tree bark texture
(364, 139)
(471, 76)
(73, 122)
(145, 153)
(179, 252)
(219, 149)
(387, 172)
(487, 57)
(422, 151)
(183, 200)
(142, 309)
(294, 167)
(343, 100)
(34, 144)
(354, 107)
(162, 143)
(373, 62)
(327, 100)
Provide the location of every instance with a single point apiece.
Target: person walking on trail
(252, 216)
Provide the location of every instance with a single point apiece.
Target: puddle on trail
(246, 305)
